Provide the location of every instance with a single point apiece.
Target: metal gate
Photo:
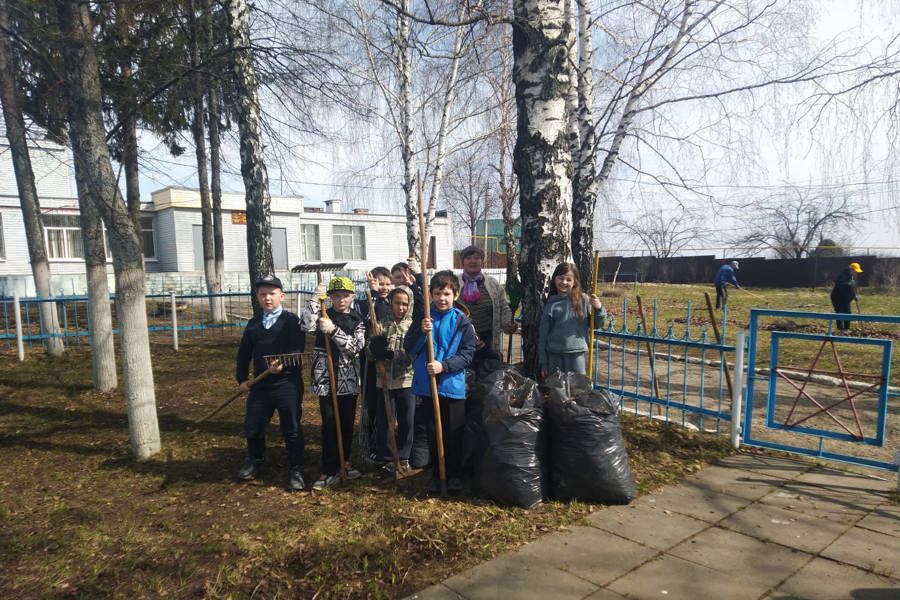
(828, 391)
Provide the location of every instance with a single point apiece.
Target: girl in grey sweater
(563, 336)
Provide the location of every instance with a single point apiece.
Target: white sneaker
(351, 472)
(326, 481)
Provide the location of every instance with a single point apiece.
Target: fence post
(17, 310)
(737, 392)
(174, 321)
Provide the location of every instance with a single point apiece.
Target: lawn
(673, 301)
(80, 519)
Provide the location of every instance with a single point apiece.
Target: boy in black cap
(275, 331)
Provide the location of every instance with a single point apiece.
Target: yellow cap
(341, 284)
(854, 266)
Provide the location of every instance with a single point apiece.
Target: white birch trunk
(97, 186)
(449, 99)
(584, 183)
(542, 159)
(407, 144)
(253, 166)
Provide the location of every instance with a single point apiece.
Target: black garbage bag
(480, 381)
(511, 469)
(588, 460)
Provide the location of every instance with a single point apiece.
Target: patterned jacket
(348, 339)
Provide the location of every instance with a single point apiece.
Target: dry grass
(80, 519)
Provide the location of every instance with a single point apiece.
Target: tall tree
(541, 155)
(253, 166)
(584, 176)
(197, 33)
(28, 196)
(97, 185)
(215, 152)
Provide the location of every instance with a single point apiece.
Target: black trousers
(453, 425)
(721, 295)
(373, 401)
(262, 402)
(331, 461)
(403, 402)
(423, 424)
(842, 306)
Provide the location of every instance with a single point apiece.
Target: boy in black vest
(275, 331)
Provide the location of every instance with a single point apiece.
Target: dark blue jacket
(726, 276)
(454, 347)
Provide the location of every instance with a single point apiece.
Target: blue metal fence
(671, 375)
(825, 409)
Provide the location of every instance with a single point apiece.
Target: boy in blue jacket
(454, 346)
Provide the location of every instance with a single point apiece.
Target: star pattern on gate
(824, 408)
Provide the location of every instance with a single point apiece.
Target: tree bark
(541, 156)
(127, 103)
(97, 187)
(253, 167)
(198, 129)
(584, 181)
(407, 148)
(28, 197)
(215, 157)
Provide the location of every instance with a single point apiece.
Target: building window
(309, 243)
(2, 243)
(63, 234)
(349, 242)
(147, 237)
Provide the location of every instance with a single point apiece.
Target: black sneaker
(434, 486)
(296, 483)
(454, 485)
(250, 469)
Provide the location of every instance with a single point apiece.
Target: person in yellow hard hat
(844, 292)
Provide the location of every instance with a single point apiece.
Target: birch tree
(541, 156)
(97, 187)
(584, 182)
(253, 167)
(197, 33)
(28, 196)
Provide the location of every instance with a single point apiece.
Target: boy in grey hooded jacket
(388, 347)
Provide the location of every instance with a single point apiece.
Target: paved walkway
(755, 527)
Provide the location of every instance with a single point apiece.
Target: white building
(171, 226)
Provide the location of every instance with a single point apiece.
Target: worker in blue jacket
(723, 278)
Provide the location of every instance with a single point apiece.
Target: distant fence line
(756, 272)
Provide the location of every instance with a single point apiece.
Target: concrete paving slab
(674, 578)
(823, 579)
(783, 467)
(871, 490)
(869, 550)
(695, 500)
(589, 553)
(646, 524)
(823, 507)
(514, 576)
(605, 594)
(736, 482)
(788, 528)
(436, 592)
(883, 520)
(742, 556)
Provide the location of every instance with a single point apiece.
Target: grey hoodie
(561, 331)
(399, 370)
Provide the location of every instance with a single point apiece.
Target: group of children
(398, 339)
